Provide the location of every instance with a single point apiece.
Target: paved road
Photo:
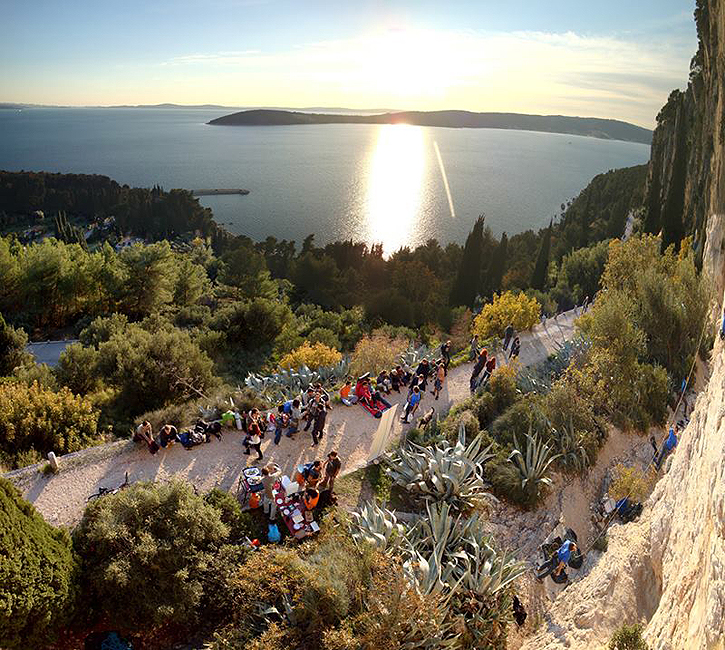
(62, 497)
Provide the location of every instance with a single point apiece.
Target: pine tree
(466, 286)
(538, 278)
(12, 348)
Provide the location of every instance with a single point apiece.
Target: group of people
(314, 478)
(168, 434)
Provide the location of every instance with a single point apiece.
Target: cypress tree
(538, 278)
(466, 285)
(497, 268)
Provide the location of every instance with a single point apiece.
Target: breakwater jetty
(218, 192)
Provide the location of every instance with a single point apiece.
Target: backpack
(196, 437)
(273, 534)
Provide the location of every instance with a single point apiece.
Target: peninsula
(586, 126)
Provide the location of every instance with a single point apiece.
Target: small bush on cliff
(36, 573)
(628, 637)
(515, 308)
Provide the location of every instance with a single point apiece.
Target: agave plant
(532, 465)
(443, 472)
(414, 355)
(377, 526)
(455, 559)
(572, 455)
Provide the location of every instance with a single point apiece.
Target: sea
(398, 185)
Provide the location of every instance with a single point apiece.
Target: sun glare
(395, 182)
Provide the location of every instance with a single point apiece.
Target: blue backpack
(273, 535)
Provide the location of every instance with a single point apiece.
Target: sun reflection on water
(395, 185)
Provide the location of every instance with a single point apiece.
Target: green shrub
(76, 369)
(376, 352)
(37, 573)
(12, 348)
(146, 551)
(628, 637)
(241, 524)
(35, 419)
(515, 421)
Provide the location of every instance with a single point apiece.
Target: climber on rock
(563, 556)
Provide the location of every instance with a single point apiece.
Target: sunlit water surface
(399, 185)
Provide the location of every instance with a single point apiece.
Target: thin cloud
(428, 69)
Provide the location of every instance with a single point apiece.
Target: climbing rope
(651, 462)
(670, 422)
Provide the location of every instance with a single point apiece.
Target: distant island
(586, 126)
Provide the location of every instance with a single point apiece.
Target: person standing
(515, 348)
(490, 367)
(270, 474)
(254, 440)
(446, 355)
(330, 469)
(474, 348)
(319, 426)
(440, 378)
(508, 334)
(412, 406)
(478, 368)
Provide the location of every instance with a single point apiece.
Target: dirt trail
(62, 497)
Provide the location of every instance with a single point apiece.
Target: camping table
(296, 510)
(247, 485)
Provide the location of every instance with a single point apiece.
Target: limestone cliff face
(685, 177)
(667, 570)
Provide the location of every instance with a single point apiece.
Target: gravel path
(61, 498)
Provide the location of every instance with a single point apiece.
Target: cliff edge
(667, 570)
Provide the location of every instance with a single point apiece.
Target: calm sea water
(392, 184)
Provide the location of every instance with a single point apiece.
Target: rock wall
(685, 177)
(668, 569)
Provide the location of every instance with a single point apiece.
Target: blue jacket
(671, 441)
(564, 552)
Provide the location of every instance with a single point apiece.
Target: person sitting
(168, 435)
(144, 433)
(563, 555)
(311, 473)
(379, 401)
(311, 499)
(395, 381)
(403, 374)
(347, 397)
(383, 383)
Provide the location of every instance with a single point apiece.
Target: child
(412, 406)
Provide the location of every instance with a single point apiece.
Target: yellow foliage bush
(311, 355)
(376, 352)
(632, 482)
(518, 309)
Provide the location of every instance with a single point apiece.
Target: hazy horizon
(618, 61)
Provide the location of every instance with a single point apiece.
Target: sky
(612, 58)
